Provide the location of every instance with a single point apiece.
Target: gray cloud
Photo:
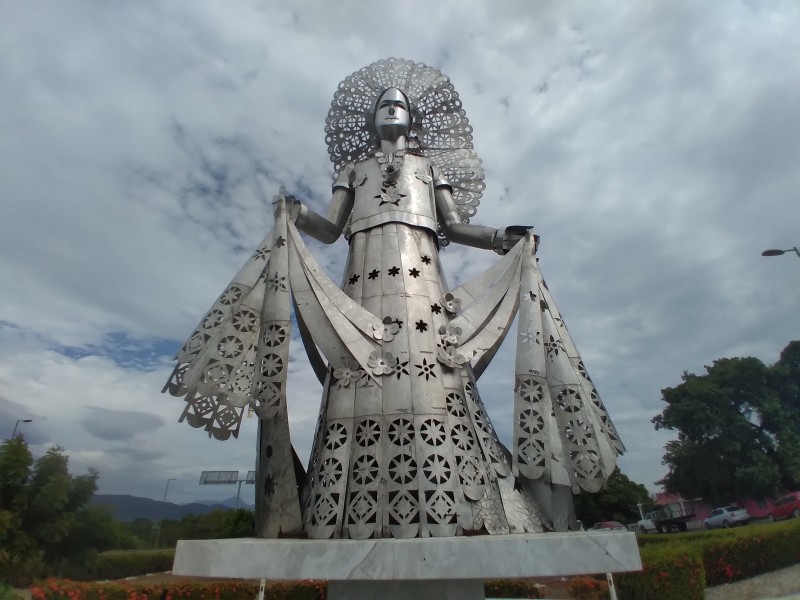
(112, 425)
(136, 453)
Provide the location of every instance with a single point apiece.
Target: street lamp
(779, 252)
(13, 435)
(158, 529)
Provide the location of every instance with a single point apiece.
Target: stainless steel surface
(440, 130)
(404, 446)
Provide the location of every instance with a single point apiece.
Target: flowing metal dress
(403, 446)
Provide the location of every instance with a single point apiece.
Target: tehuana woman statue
(404, 447)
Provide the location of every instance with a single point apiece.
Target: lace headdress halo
(440, 130)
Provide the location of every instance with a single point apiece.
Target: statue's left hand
(507, 237)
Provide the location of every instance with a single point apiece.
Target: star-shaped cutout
(414, 273)
(400, 369)
(373, 274)
(354, 279)
(426, 370)
(421, 325)
(394, 271)
(280, 242)
(426, 260)
(436, 309)
(269, 485)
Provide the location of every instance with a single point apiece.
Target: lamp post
(158, 529)
(779, 252)
(13, 435)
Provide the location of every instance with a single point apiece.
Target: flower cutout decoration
(450, 303)
(382, 363)
(390, 165)
(277, 282)
(553, 347)
(390, 195)
(344, 376)
(449, 357)
(450, 335)
(529, 337)
(423, 177)
(386, 330)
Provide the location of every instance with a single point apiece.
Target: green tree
(138, 534)
(18, 551)
(737, 429)
(216, 524)
(45, 520)
(238, 523)
(617, 501)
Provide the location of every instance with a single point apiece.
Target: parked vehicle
(646, 525)
(786, 507)
(665, 520)
(608, 526)
(726, 516)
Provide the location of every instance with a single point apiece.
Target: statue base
(440, 568)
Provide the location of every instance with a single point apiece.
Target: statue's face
(392, 115)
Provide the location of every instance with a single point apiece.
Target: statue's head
(392, 117)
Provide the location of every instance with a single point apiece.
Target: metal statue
(404, 446)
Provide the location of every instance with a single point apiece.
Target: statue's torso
(386, 190)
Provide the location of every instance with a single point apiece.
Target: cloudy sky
(653, 145)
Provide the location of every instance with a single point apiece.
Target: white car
(727, 516)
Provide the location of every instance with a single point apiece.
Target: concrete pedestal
(440, 568)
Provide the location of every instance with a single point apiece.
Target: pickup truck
(665, 520)
(646, 525)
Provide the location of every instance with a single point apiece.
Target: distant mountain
(230, 503)
(129, 508)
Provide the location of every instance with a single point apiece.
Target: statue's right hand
(288, 202)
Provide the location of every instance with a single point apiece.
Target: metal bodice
(392, 189)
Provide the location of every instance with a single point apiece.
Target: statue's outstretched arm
(326, 230)
(500, 240)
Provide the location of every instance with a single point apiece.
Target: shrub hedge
(670, 571)
(588, 588)
(675, 566)
(682, 565)
(753, 550)
(63, 589)
(118, 564)
(511, 588)
(6, 593)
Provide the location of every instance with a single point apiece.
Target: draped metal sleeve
(562, 434)
(215, 365)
